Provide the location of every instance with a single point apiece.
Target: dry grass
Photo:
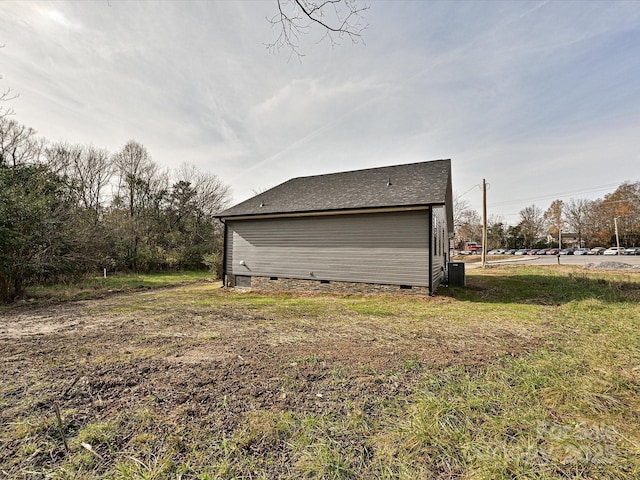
(527, 373)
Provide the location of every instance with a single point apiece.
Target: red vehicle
(470, 248)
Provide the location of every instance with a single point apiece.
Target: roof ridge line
(367, 169)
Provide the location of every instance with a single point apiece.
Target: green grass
(528, 373)
(92, 286)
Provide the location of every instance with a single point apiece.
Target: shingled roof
(409, 185)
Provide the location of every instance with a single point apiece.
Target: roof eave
(341, 211)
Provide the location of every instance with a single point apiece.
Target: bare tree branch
(338, 19)
(6, 96)
(19, 145)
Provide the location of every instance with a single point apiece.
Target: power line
(467, 191)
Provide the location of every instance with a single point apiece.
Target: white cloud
(58, 17)
(514, 92)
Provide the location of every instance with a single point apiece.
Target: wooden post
(484, 222)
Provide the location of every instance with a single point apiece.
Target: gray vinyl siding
(440, 246)
(228, 249)
(387, 248)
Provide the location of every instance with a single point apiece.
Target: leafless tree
(469, 228)
(466, 221)
(94, 172)
(5, 96)
(576, 213)
(139, 177)
(89, 166)
(18, 144)
(460, 207)
(211, 195)
(338, 19)
(196, 197)
(531, 224)
(142, 187)
(60, 157)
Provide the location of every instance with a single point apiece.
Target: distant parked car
(552, 251)
(511, 251)
(542, 251)
(567, 251)
(630, 251)
(522, 251)
(596, 251)
(497, 251)
(533, 251)
(581, 251)
(612, 251)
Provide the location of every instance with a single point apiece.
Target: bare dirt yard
(202, 382)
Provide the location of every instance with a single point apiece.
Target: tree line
(66, 210)
(593, 222)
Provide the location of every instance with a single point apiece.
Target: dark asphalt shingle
(424, 183)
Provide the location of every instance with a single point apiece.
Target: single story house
(380, 229)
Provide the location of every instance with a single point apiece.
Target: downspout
(224, 255)
(430, 223)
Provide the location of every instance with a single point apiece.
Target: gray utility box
(456, 274)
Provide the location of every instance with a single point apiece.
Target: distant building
(569, 240)
(380, 229)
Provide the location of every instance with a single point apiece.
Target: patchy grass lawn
(529, 372)
(95, 286)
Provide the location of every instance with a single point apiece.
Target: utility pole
(484, 222)
(615, 223)
(559, 244)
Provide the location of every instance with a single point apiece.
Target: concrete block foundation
(276, 284)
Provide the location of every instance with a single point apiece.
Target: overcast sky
(540, 98)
